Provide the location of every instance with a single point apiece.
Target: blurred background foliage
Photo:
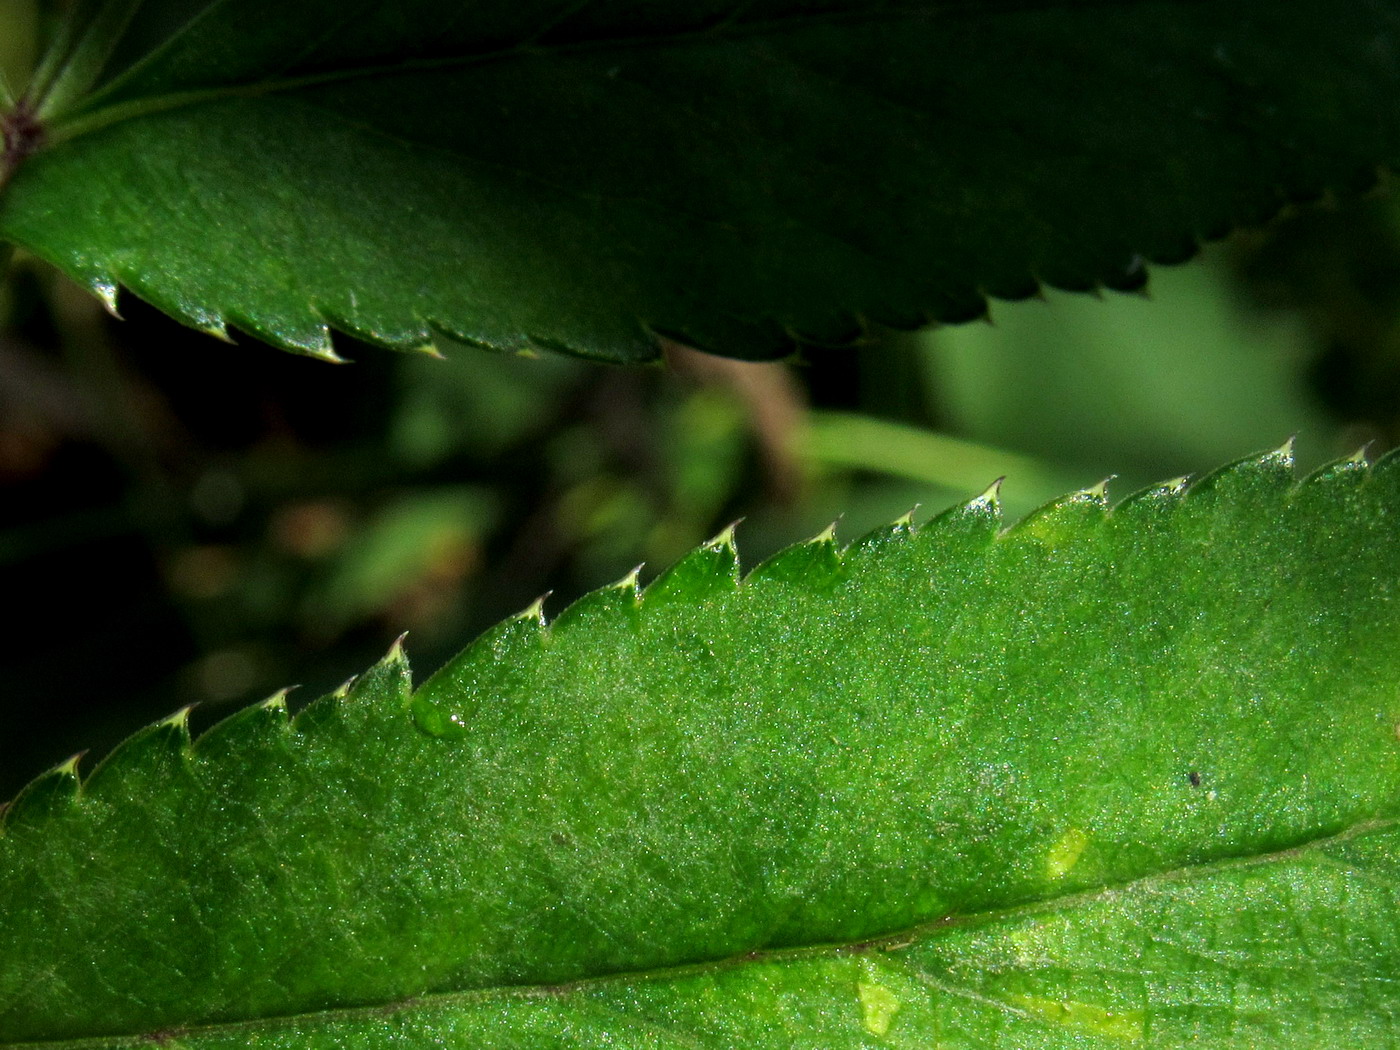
(184, 521)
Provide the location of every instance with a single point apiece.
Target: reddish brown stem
(23, 134)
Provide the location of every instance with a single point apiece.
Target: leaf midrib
(888, 943)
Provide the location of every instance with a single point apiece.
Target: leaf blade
(935, 732)
(866, 163)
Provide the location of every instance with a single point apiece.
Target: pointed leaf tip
(179, 720)
(1098, 493)
(69, 766)
(534, 612)
(725, 537)
(107, 292)
(629, 582)
(991, 495)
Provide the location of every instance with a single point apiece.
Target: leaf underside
(745, 177)
(1108, 778)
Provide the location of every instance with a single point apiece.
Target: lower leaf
(1109, 778)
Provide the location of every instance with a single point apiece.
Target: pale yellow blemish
(878, 1005)
(1065, 853)
(1125, 1025)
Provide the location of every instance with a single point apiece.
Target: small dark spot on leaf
(560, 839)
(1195, 778)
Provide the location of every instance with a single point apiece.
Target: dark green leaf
(1107, 779)
(739, 175)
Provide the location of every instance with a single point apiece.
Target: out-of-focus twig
(773, 402)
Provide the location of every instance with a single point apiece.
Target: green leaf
(1110, 778)
(742, 176)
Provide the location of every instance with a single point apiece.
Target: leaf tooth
(619, 599)
(141, 763)
(47, 794)
(1259, 474)
(473, 676)
(218, 329)
(532, 614)
(383, 689)
(106, 289)
(725, 537)
(977, 520)
(711, 568)
(246, 730)
(880, 537)
(629, 582)
(391, 672)
(324, 353)
(992, 493)
(1061, 519)
(1163, 496)
(393, 663)
(312, 339)
(813, 564)
(528, 626)
(427, 349)
(1098, 492)
(277, 701)
(179, 721)
(1352, 467)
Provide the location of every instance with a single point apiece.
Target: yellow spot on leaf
(1084, 1017)
(1065, 853)
(878, 1005)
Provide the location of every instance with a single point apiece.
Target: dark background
(184, 521)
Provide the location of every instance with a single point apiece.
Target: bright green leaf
(1110, 778)
(739, 175)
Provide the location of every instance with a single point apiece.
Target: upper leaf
(1106, 778)
(739, 175)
